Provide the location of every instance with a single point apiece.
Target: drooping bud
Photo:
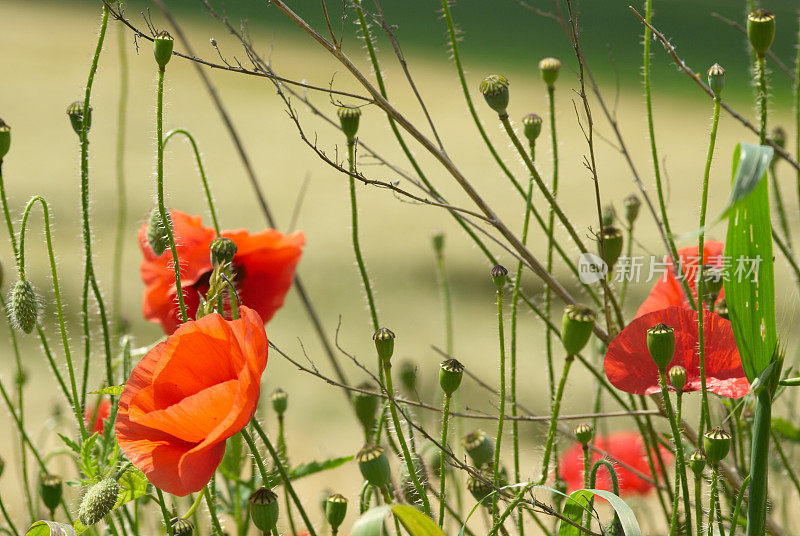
(609, 215)
(550, 67)
(24, 306)
(716, 79)
(712, 282)
(222, 251)
(532, 127)
(384, 343)
(631, 204)
(677, 377)
(98, 501)
(162, 48)
(584, 434)
(51, 489)
(779, 137)
(717, 443)
(495, 90)
(280, 401)
(499, 274)
(5, 139)
(408, 376)
(366, 406)
(157, 232)
(697, 462)
(407, 487)
(76, 117)
(349, 118)
(182, 527)
(576, 327)
(479, 488)
(437, 239)
(612, 245)
(661, 344)
(479, 447)
(761, 31)
(335, 510)
(451, 371)
(264, 509)
(374, 465)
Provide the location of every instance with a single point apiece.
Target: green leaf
(786, 429)
(577, 504)
(751, 297)
(132, 485)
(415, 522)
(74, 447)
(113, 390)
(50, 528)
(370, 523)
(88, 462)
(307, 469)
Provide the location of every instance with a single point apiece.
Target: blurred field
(46, 51)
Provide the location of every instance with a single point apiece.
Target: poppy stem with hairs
(555, 410)
(164, 511)
(502, 410)
(679, 457)
(442, 460)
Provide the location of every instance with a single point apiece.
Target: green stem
(502, 410)
(759, 470)
(762, 99)
(442, 459)
(9, 522)
(679, 457)
(786, 463)
(698, 504)
(210, 494)
(714, 501)
(190, 512)
(164, 512)
(555, 410)
(122, 202)
(673, 523)
(738, 507)
(444, 287)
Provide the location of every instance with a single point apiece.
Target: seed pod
(349, 119)
(697, 462)
(162, 48)
(499, 273)
(451, 372)
(157, 232)
(264, 509)
(408, 376)
(384, 343)
(584, 434)
(374, 465)
(24, 306)
(335, 510)
(98, 501)
(479, 447)
(677, 377)
(779, 136)
(51, 489)
(280, 401)
(76, 115)
(721, 308)
(5, 139)
(182, 527)
(631, 204)
(550, 67)
(479, 489)
(612, 245)
(495, 90)
(532, 127)
(661, 344)
(366, 406)
(576, 327)
(716, 79)
(407, 484)
(761, 31)
(222, 251)
(717, 443)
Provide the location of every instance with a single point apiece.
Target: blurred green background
(46, 48)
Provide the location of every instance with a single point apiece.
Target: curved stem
(738, 506)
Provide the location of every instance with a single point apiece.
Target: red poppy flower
(263, 269)
(188, 395)
(625, 447)
(630, 368)
(100, 413)
(668, 289)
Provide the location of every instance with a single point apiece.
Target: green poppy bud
(499, 274)
(712, 282)
(384, 344)
(532, 127)
(264, 509)
(584, 434)
(717, 443)
(408, 376)
(697, 462)
(5, 139)
(716, 79)
(335, 510)
(366, 406)
(495, 90)
(162, 48)
(479, 447)
(24, 306)
(349, 118)
(480, 488)
(778, 136)
(612, 245)
(550, 67)
(374, 465)
(761, 31)
(661, 344)
(76, 115)
(222, 251)
(280, 401)
(721, 308)
(437, 239)
(51, 489)
(677, 377)
(609, 215)
(576, 327)
(631, 204)
(98, 501)
(450, 374)
(407, 484)
(182, 527)
(157, 232)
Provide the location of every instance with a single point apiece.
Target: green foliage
(786, 429)
(577, 504)
(50, 528)
(113, 390)
(415, 523)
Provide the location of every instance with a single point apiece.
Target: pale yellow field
(42, 74)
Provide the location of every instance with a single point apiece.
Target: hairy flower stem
(713, 507)
(442, 458)
(502, 410)
(679, 458)
(555, 410)
(738, 506)
(705, 417)
(673, 524)
(698, 505)
(164, 512)
(122, 200)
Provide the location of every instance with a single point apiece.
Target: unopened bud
(222, 251)
(717, 443)
(374, 465)
(157, 235)
(712, 281)
(366, 406)
(5, 139)
(264, 509)
(697, 462)
(335, 510)
(532, 127)
(631, 204)
(162, 48)
(408, 376)
(677, 377)
(479, 447)
(450, 374)
(51, 489)
(349, 119)
(584, 434)
(550, 67)
(495, 90)
(98, 501)
(499, 274)
(76, 117)
(384, 343)
(761, 31)
(182, 527)
(24, 306)
(609, 215)
(661, 344)
(280, 401)
(721, 308)
(576, 327)
(612, 245)
(716, 79)
(437, 239)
